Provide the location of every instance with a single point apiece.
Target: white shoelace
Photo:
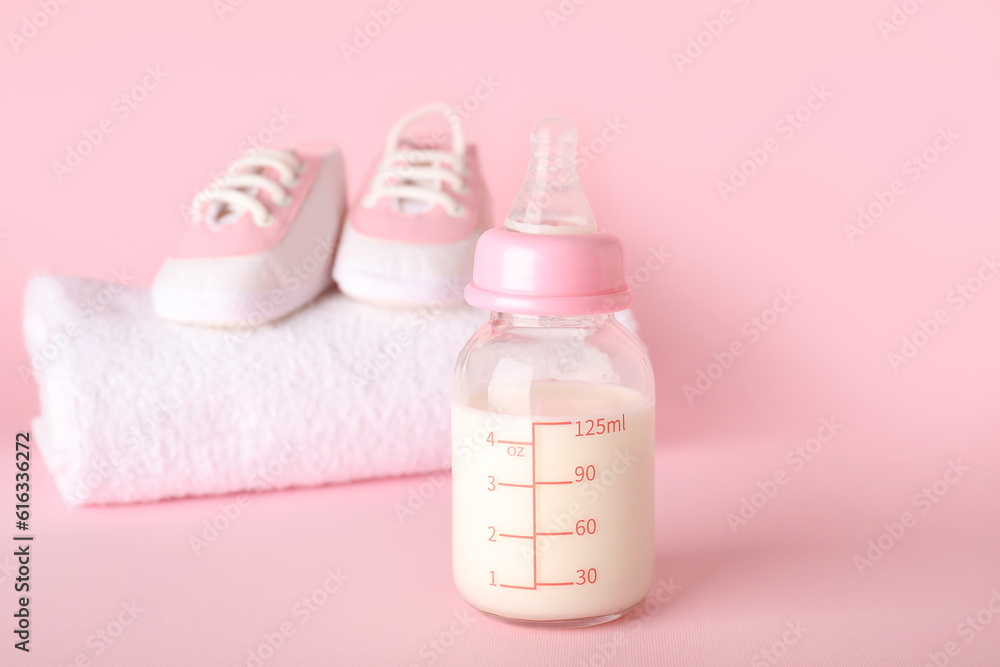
(225, 200)
(414, 174)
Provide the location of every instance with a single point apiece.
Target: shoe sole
(411, 285)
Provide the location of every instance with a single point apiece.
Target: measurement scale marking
(534, 510)
(534, 499)
(534, 529)
(534, 496)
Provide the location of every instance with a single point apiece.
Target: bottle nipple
(551, 200)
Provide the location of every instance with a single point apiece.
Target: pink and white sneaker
(411, 235)
(262, 240)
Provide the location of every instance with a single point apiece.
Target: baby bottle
(552, 415)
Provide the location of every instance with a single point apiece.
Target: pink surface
(823, 178)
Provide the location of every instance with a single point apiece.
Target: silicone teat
(551, 200)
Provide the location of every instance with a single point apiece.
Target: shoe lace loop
(239, 190)
(415, 174)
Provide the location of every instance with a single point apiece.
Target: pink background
(655, 184)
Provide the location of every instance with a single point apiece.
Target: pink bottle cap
(550, 258)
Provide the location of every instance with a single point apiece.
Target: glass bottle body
(552, 463)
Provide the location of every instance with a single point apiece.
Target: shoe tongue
(220, 213)
(408, 145)
(411, 206)
(425, 141)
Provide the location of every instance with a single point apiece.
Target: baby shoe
(411, 234)
(262, 240)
